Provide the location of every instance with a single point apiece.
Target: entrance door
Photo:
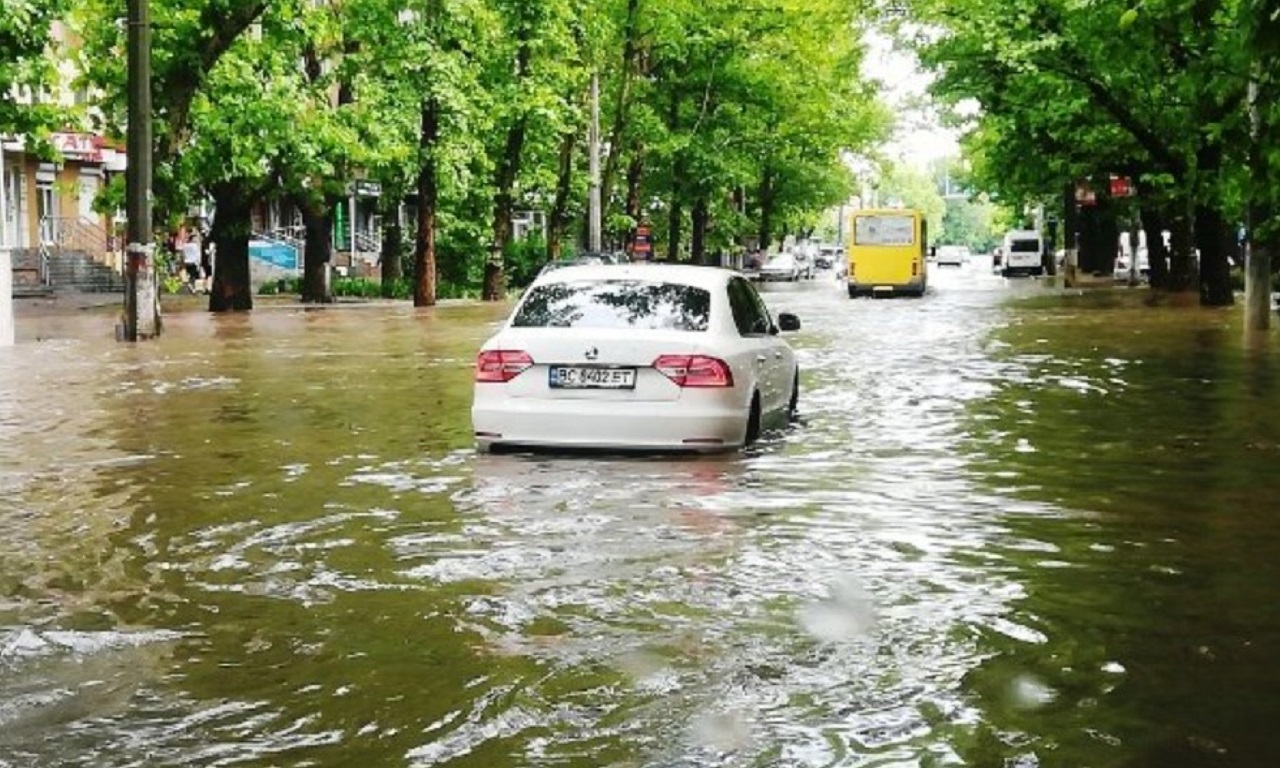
(89, 185)
(15, 234)
(46, 205)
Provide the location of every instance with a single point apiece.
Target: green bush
(356, 287)
(397, 289)
(1237, 280)
(283, 285)
(450, 290)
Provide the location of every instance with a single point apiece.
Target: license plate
(590, 377)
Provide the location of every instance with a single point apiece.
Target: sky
(919, 137)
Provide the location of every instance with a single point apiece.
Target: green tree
(1071, 91)
(24, 66)
(911, 187)
(727, 114)
(535, 69)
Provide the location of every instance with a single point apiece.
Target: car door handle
(777, 355)
(761, 359)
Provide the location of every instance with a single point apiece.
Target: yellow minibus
(886, 252)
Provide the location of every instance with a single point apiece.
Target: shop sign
(642, 245)
(1121, 186)
(78, 146)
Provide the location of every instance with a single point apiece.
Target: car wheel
(753, 421)
(793, 407)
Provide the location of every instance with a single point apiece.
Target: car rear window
(1025, 246)
(615, 304)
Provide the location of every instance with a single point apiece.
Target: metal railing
(46, 276)
(70, 233)
(290, 236)
(368, 243)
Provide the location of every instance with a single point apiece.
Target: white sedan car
(781, 266)
(644, 356)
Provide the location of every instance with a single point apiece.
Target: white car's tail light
(695, 370)
(501, 365)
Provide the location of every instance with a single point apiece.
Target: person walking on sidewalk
(191, 262)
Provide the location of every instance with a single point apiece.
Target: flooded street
(1039, 535)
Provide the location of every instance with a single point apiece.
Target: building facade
(48, 206)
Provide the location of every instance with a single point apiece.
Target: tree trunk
(675, 224)
(392, 244)
(1182, 266)
(1259, 264)
(1099, 234)
(1070, 233)
(232, 290)
(675, 213)
(219, 27)
(635, 212)
(701, 221)
(317, 220)
(558, 216)
(1259, 245)
(424, 252)
(630, 52)
(766, 209)
(495, 275)
(503, 208)
(1212, 235)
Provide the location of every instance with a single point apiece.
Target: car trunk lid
(602, 351)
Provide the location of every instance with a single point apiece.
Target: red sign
(78, 146)
(642, 244)
(1121, 186)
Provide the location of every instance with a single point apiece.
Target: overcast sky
(919, 137)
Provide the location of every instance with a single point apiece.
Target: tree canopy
(723, 123)
(1070, 92)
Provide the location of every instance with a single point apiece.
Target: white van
(1021, 253)
(1126, 268)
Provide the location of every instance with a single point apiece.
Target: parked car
(955, 255)
(781, 266)
(1021, 253)
(588, 257)
(804, 262)
(829, 256)
(651, 357)
(1121, 272)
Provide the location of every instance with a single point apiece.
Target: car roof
(687, 274)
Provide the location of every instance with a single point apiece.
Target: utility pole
(6, 261)
(1257, 269)
(593, 141)
(141, 303)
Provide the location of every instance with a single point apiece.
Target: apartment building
(49, 205)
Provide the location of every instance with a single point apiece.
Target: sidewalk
(73, 303)
(64, 303)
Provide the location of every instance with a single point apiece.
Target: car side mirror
(788, 321)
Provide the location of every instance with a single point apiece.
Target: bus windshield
(884, 229)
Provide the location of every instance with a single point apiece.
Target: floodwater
(1038, 535)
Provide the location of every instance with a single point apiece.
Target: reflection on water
(999, 537)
